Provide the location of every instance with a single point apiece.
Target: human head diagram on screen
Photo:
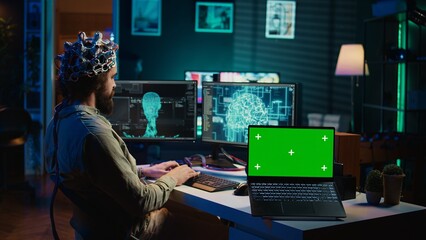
(155, 110)
(151, 104)
(245, 109)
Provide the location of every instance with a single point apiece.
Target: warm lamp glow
(351, 60)
(367, 71)
(351, 63)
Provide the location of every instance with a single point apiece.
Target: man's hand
(182, 173)
(158, 170)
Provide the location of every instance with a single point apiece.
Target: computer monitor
(229, 108)
(157, 110)
(253, 77)
(200, 76)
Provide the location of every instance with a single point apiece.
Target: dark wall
(309, 59)
(179, 47)
(11, 53)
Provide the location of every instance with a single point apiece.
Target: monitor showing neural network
(229, 108)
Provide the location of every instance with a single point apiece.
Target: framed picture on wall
(146, 17)
(280, 19)
(214, 17)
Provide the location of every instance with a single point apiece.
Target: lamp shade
(351, 60)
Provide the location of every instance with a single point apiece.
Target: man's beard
(104, 102)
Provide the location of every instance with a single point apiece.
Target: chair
(15, 125)
(340, 122)
(315, 119)
(331, 120)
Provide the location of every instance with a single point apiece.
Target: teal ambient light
(401, 81)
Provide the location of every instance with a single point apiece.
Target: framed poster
(214, 17)
(146, 17)
(280, 19)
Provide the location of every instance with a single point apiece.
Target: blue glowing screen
(229, 108)
(155, 110)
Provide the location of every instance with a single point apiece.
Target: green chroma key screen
(290, 151)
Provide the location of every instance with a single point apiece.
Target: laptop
(292, 156)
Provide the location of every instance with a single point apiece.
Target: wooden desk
(402, 221)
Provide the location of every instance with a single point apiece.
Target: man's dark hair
(83, 87)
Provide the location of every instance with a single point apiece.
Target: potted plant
(393, 177)
(374, 187)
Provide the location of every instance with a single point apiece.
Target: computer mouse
(241, 190)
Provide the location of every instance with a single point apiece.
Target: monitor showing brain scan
(229, 108)
(155, 110)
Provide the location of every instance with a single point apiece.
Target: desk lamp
(351, 63)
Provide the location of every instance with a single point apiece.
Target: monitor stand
(220, 159)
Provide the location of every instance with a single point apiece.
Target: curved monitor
(155, 110)
(253, 77)
(230, 76)
(200, 77)
(229, 108)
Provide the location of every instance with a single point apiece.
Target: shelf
(394, 93)
(380, 107)
(398, 62)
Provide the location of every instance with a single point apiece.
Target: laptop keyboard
(300, 192)
(211, 183)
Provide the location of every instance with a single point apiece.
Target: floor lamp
(351, 63)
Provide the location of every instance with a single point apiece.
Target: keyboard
(211, 183)
(308, 192)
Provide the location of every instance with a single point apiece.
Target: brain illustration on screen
(244, 110)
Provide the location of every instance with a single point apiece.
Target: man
(96, 171)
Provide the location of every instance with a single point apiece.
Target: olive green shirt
(95, 166)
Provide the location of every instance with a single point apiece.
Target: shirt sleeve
(139, 171)
(115, 174)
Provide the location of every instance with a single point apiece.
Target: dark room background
(309, 59)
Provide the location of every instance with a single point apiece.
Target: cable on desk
(233, 158)
(204, 164)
